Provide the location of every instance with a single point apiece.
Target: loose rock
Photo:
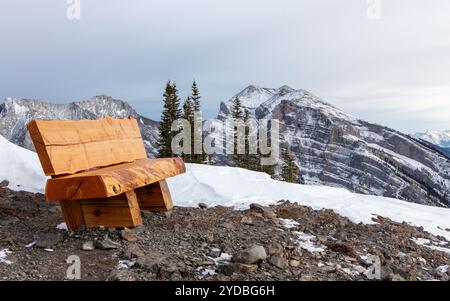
(106, 244)
(88, 246)
(128, 235)
(279, 261)
(250, 255)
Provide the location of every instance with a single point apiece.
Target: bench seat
(113, 180)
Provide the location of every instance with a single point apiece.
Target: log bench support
(100, 173)
(124, 209)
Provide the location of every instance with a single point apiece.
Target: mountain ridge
(16, 113)
(331, 147)
(334, 148)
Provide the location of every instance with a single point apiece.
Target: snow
(350, 272)
(238, 188)
(20, 167)
(253, 96)
(288, 223)
(62, 226)
(305, 241)
(3, 254)
(224, 258)
(206, 272)
(440, 246)
(436, 137)
(126, 264)
(442, 269)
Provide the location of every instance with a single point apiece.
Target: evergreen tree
(171, 112)
(195, 97)
(188, 114)
(246, 157)
(289, 170)
(237, 114)
(196, 108)
(236, 110)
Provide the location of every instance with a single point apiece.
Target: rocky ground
(283, 242)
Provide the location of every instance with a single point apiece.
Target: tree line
(190, 109)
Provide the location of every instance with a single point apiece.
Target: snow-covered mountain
(230, 186)
(330, 147)
(437, 140)
(441, 139)
(16, 113)
(336, 149)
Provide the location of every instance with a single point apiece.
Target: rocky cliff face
(16, 113)
(336, 149)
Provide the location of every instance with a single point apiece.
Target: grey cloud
(382, 70)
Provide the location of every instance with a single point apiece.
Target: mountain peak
(285, 89)
(439, 138)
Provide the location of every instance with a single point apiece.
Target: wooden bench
(99, 171)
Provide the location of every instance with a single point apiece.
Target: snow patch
(206, 272)
(305, 241)
(3, 254)
(288, 223)
(437, 246)
(20, 167)
(442, 269)
(224, 258)
(126, 264)
(62, 226)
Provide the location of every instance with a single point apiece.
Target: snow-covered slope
(229, 186)
(438, 138)
(20, 167)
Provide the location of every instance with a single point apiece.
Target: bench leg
(72, 213)
(155, 197)
(114, 212)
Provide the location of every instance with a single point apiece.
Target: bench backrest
(70, 146)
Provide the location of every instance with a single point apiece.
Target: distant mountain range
(330, 147)
(441, 139)
(436, 138)
(16, 113)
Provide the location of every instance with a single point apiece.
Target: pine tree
(237, 114)
(236, 110)
(195, 97)
(188, 115)
(289, 170)
(171, 112)
(196, 108)
(246, 157)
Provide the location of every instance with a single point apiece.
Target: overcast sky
(393, 71)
